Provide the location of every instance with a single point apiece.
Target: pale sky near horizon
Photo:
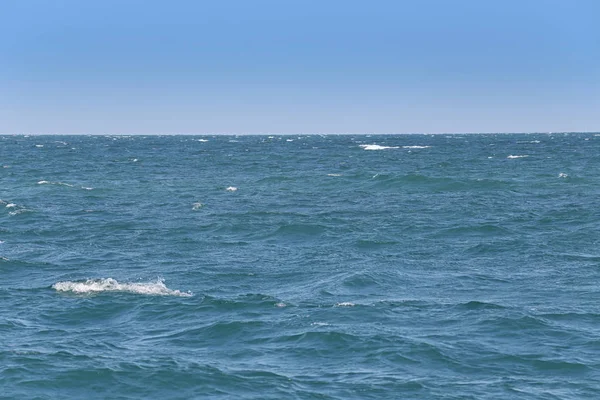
(290, 66)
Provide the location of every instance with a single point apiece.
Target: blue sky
(288, 66)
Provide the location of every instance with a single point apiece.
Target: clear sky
(299, 66)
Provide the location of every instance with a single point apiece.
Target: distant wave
(377, 147)
(63, 184)
(90, 286)
(54, 183)
(523, 156)
(416, 147)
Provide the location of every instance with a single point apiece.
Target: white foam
(334, 174)
(280, 305)
(523, 156)
(39, 145)
(197, 206)
(377, 147)
(416, 147)
(345, 304)
(202, 140)
(87, 188)
(11, 205)
(91, 286)
(231, 189)
(563, 175)
(18, 211)
(135, 160)
(54, 183)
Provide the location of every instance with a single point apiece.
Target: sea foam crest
(416, 147)
(377, 147)
(91, 286)
(345, 304)
(54, 183)
(523, 156)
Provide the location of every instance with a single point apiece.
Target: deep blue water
(311, 267)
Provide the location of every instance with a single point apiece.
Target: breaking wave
(91, 286)
(377, 147)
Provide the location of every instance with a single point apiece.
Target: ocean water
(300, 267)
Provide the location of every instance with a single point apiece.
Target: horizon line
(294, 134)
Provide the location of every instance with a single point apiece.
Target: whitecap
(91, 286)
(280, 305)
(563, 175)
(39, 145)
(377, 147)
(11, 205)
(345, 304)
(54, 183)
(87, 188)
(416, 147)
(334, 174)
(18, 211)
(197, 206)
(289, 140)
(202, 140)
(523, 156)
(231, 189)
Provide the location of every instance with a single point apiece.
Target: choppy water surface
(310, 267)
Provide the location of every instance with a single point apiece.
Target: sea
(300, 267)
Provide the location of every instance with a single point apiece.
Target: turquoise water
(300, 267)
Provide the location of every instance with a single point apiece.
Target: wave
(523, 156)
(91, 286)
(416, 147)
(16, 209)
(63, 184)
(54, 183)
(377, 147)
